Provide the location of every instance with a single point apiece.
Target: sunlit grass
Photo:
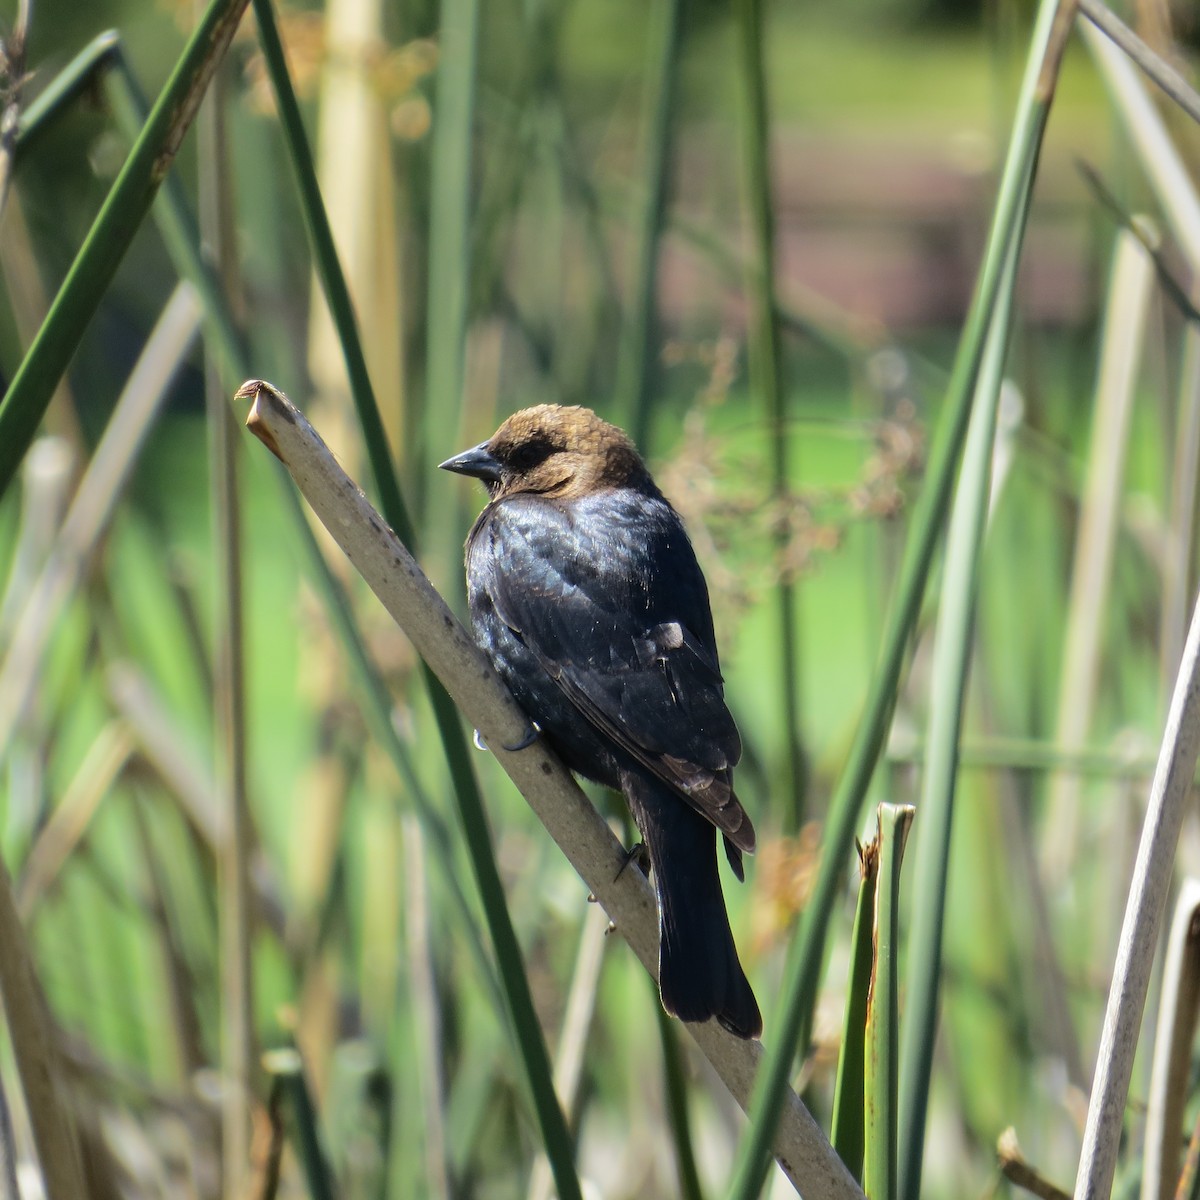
(543, 232)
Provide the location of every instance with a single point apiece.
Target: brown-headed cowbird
(585, 593)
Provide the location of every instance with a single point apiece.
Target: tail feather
(699, 974)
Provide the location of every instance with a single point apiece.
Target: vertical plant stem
(569, 1057)
(1179, 568)
(1150, 142)
(807, 957)
(288, 1068)
(1154, 65)
(766, 373)
(1175, 1031)
(638, 345)
(92, 507)
(181, 236)
(30, 1032)
(14, 79)
(76, 79)
(846, 1131)
(118, 220)
(337, 294)
(880, 1180)
(449, 248)
(1170, 798)
(235, 905)
(951, 664)
(675, 1082)
(1189, 1177)
(427, 1026)
(532, 1047)
(1130, 292)
(560, 1148)
(358, 179)
(8, 1151)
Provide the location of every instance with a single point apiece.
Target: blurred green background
(529, 261)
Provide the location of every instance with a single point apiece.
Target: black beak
(476, 462)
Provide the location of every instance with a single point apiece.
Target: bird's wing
(641, 677)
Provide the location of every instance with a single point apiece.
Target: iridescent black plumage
(586, 594)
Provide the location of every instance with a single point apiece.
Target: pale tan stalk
(568, 1061)
(1130, 292)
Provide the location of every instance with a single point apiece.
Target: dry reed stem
(576, 1025)
(1130, 293)
(1170, 800)
(423, 987)
(99, 491)
(33, 1048)
(1178, 1005)
(1155, 66)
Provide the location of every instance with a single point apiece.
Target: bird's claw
(639, 854)
(531, 735)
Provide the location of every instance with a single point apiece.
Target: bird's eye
(529, 453)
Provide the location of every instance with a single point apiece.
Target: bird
(585, 593)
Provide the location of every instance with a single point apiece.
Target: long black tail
(699, 975)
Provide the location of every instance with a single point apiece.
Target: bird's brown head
(554, 451)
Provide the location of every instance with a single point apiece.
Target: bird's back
(596, 612)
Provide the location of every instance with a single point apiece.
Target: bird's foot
(531, 735)
(639, 854)
(611, 927)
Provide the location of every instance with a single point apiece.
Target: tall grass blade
(1189, 1179)
(182, 238)
(119, 219)
(1129, 298)
(358, 182)
(1176, 1027)
(882, 1084)
(950, 668)
(535, 1058)
(450, 217)
(635, 371)
(1154, 65)
(67, 826)
(1170, 797)
(74, 81)
(418, 931)
(47, 482)
(1179, 567)
(235, 908)
(329, 271)
(560, 1149)
(675, 1086)
(88, 517)
(766, 375)
(14, 79)
(8, 1150)
(288, 1068)
(1150, 142)
(1008, 222)
(570, 1056)
(31, 1035)
(847, 1129)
